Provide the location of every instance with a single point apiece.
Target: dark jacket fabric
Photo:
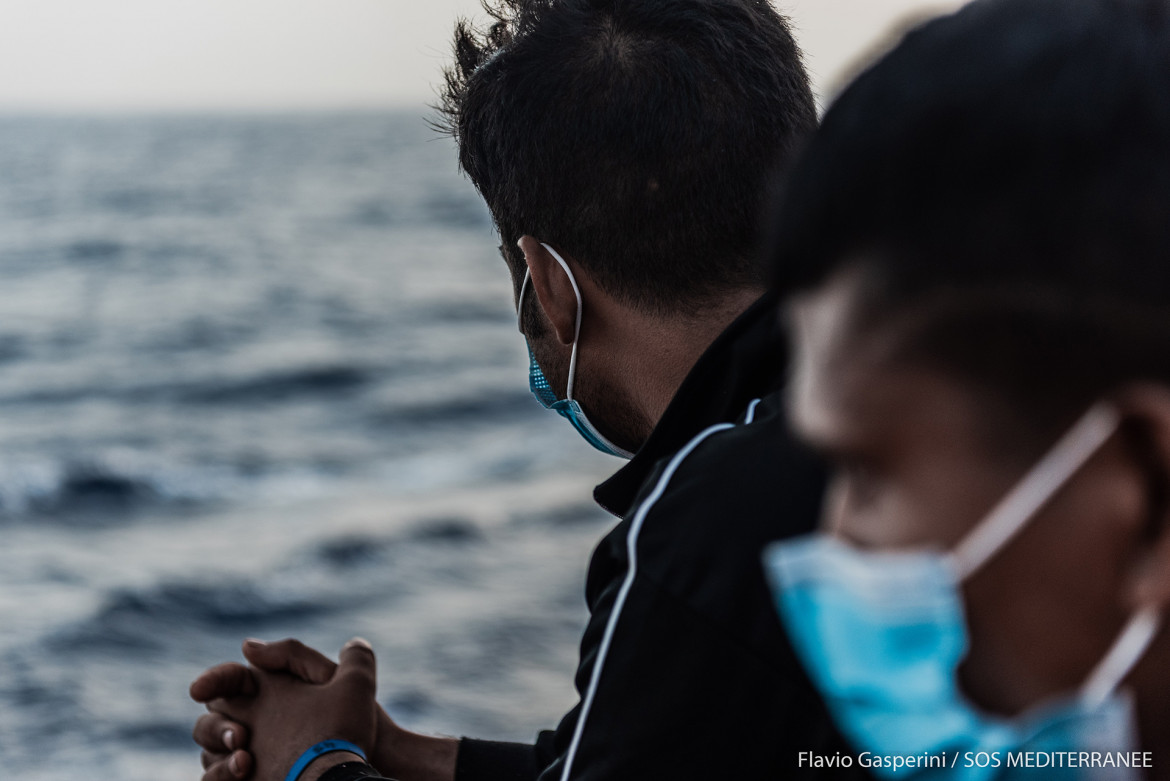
(685, 671)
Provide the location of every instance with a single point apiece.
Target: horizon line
(61, 110)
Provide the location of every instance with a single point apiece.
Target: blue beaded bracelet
(324, 747)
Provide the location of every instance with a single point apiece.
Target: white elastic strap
(1129, 647)
(1033, 492)
(520, 300)
(577, 330)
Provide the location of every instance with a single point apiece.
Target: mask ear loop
(520, 300)
(577, 330)
(1129, 647)
(1008, 517)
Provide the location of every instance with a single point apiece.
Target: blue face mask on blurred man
(882, 634)
(568, 407)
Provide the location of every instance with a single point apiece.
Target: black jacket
(694, 676)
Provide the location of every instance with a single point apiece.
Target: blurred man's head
(636, 138)
(979, 242)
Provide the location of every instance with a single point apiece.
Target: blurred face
(921, 457)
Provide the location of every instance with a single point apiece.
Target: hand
(224, 742)
(398, 752)
(288, 715)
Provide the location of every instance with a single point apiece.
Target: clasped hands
(262, 717)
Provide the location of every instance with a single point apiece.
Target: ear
(552, 287)
(1145, 408)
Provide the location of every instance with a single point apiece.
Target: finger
(218, 734)
(238, 710)
(240, 764)
(358, 664)
(224, 680)
(291, 656)
(234, 768)
(207, 759)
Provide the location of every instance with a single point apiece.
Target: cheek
(872, 516)
(1045, 610)
(928, 504)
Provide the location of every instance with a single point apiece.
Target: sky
(160, 55)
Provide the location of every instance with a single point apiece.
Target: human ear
(552, 287)
(1145, 408)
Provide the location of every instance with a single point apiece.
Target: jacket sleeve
(487, 760)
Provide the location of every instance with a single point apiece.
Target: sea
(260, 377)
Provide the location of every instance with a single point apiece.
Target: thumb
(358, 664)
(290, 656)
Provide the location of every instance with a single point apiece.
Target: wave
(92, 490)
(460, 211)
(495, 407)
(330, 577)
(358, 550)
(263, 387)
(140, 621)
(279, 386)
(98, 493)
(95, 249)
(114, 483)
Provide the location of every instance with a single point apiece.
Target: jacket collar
(748, 360)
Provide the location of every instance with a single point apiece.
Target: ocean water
(260, 376)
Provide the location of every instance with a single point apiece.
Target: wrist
(319, 766)
(321, 756)
(351, 771)
(409, 756)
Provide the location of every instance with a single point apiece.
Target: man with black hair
(624, 148)
(981, 300)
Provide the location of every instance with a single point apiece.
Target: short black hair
(636, 135)
(1004, 173)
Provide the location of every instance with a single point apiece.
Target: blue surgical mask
(568, 407)
(881, 635)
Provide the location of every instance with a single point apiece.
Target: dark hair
(1003, 179)
(636, 135)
